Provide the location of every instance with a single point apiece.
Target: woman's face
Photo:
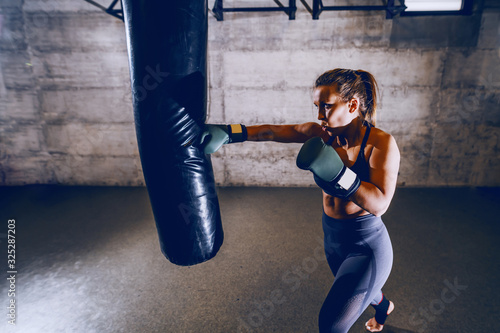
(332, 111)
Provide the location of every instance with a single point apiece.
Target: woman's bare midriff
(340, 208)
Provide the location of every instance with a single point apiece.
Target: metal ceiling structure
(389, 6)
(392, 8)
(111, 10)
(219, 9)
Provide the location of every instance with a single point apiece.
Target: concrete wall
(66, 114)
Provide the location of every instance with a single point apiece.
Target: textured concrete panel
(263, 164)
(21, 140)
(215, 68)
(468, 105)
(19, 105)
(6, 4)
(333, 30)
(82, 69)
(492, 5)
(97, 105)
(434, 32)
(269, 106)
(215, 107)
(266, 173)
(17, 70)
(82, 139)
(76, 32)
(404, 104)
(12, 29)
(492, 167)
(490, 30)
(283, 70)
(414, 141)
(465, 153)
(471, 68)
(96, 170)
(19, 170)
(48, 6)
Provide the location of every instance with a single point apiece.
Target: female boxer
(356, 165)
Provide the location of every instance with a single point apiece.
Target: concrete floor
(88, 260)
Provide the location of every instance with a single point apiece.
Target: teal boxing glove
(214, 136)
(329, 171)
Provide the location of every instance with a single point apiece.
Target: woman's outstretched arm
(299, 133)
(215, 136)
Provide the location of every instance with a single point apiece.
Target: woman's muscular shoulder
(385, 151)
(380, 139)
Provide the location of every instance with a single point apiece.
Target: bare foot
(372, 325)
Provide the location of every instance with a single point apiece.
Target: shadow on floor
(88, 260)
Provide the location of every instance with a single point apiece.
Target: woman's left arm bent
(375, 196)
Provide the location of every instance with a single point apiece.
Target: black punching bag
(167, 48)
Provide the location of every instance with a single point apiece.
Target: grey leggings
(359, 253)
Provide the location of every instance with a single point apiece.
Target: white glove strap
(347, 179)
